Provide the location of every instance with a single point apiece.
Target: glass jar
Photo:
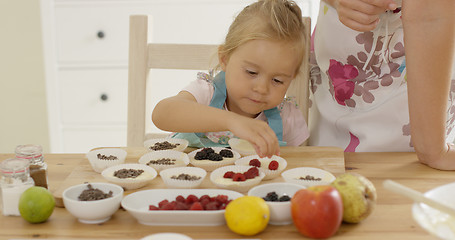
(15, 179)
(38, 168)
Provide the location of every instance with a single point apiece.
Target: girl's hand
(443, 161)
(361, 15)
(257, 132)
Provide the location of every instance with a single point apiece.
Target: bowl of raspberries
(236, 177)
(212, 158)
(272, 167)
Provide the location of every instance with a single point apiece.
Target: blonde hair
(276, 20)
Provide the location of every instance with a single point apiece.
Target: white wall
(23, 116)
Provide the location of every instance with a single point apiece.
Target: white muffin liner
(130, 183)
(167, 174)
(293, 174)
(218, 174)
(209, 165)
(269, 174)
(183, 143)
(242, 146)
(99, 164)
(180, 157)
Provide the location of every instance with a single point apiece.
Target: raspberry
(211, 206)
(238, 177)
(226, 153)
(228, 174)
(253, 171)
(191, 199)
(273, 165)
(204, 197)
(196, 206)
(255, 162)
(168, 206)
(162, 203)
(221, 198)
(181, 206)
(153, 207)
(180, 198)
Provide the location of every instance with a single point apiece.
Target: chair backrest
(144, 56)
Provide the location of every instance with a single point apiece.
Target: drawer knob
(103, 97)
(100, 34)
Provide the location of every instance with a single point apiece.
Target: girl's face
(258, 74)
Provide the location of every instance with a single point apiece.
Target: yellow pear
(358, 194)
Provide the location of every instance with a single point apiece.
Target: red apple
(317, 211)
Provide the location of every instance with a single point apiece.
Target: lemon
(36, 204)
(247, 215)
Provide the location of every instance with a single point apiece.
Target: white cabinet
(86, 56)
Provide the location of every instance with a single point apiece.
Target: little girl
(261, 55)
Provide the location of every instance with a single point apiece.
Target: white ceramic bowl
(269, 174)
(293, 176)
(130, 183)
(93, 212)
(167, 175)
(212, 165)
(166, 236)
(242, 146)
(137, 204)
(217, 178)
(182, 143)
(180, 157)
(280, 212)
(434, 221)
(100, 164)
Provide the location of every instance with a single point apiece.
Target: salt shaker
(38, 168)
(15, 179)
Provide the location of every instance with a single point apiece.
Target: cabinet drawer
(93, 96)
(94, 32)
(82, 140)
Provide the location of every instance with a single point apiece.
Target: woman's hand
(257, 132)
(361, 15)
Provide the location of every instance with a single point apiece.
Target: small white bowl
(217, 178)
(269, 174)
(293, 175)
(130, 183)
(242, 146)
(209, 165)
(166, 236)
(93, 212)
(167, 174)
(100, 164)
(180, 157)
(182, 143)
(280, 212)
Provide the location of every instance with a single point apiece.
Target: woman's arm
(182, 113)
(361, 15)
(429, 35)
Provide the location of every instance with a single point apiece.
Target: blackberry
(226, 153)
(214, 157)
(284, 198)
(208, 150)
(201, 155)
(271, 197)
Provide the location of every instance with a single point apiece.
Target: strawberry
(228, 174)
(196, 206)
(153, 207)
(273, 165)
(238, 177)
(255, 162)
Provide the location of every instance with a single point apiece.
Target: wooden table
(391, 219)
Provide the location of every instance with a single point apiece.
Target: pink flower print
(340, 75)
(353, 143)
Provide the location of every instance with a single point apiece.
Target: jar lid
(14, 165)
(29, 151)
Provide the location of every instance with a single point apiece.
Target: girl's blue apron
(199, 140)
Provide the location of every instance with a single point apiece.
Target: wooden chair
(144, 56)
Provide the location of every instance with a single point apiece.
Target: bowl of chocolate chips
(130, 176)
(160, 160)
(158, 144)
(93, 203)
(103, 158)
(183, 177)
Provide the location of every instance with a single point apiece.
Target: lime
(36, 204)
(247, 215)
